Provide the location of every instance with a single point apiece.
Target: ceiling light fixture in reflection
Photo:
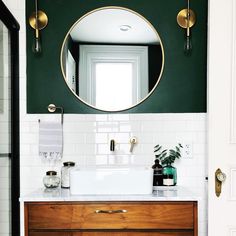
(125, 28)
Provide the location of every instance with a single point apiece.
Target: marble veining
(177, 193)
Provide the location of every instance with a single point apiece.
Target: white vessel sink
(111, 181)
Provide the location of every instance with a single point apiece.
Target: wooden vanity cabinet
(110, 234)
(111, 218)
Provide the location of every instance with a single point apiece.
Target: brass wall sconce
(38, 21)
(186, 19)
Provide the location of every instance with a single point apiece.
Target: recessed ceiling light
(125, 28)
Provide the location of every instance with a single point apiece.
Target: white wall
(86, 138)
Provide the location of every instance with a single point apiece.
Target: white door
(70, 72)
(222, 115)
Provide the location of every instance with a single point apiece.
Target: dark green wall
(183, 84)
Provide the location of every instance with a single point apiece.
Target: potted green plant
(167, 158)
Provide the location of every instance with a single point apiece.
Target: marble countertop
(176, 193)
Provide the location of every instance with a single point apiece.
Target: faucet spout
(132, 141)
(112, 145)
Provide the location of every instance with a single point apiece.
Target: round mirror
(112, 58)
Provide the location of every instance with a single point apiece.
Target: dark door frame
(10, 22)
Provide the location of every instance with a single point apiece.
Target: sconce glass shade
(188, 46)
(36, 46)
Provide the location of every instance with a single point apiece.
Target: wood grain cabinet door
(110, 234)
(94, 216)
(111, 219)
(132, 234)
(50, 234)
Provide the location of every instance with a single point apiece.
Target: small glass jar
(65, 173)
(51, 180)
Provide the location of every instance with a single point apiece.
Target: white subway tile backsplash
(74, 118)
(88, 149)
(78, 138)
(5, 183)
(97, 138)
(103, 149)
(108, 127)
(4, 205)
(118, 160)
(177, 126)
(4, 172)
(100, 117)
(144, 138)
(5, 194)
(141, 160)
(5, 229)
(118, 117)
(196, 125)
(199, 148)
(29, 138)
(126, 126)
(100, 160)
(87, 141)
(70, 149)
(4, 162)
(152, 127)
(120, 137)
(34, 149)
(25, 149)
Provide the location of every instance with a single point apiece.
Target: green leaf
(164, 155)
(178, 154)
(157, 148)
(180, 145)
(158, 156)
(164, 151)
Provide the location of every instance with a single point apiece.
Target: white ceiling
(103, 26)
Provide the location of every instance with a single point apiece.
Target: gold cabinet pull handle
(110, 211)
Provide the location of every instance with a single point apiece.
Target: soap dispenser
(157, 174)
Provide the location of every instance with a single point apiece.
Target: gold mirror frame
(133, 12)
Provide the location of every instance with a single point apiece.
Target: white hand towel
(50, 140)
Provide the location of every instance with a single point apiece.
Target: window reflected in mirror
(109, 78)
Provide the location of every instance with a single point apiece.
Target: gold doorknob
(220, 177)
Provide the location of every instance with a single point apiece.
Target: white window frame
(92, 54)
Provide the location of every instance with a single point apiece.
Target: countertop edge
(63, 195)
